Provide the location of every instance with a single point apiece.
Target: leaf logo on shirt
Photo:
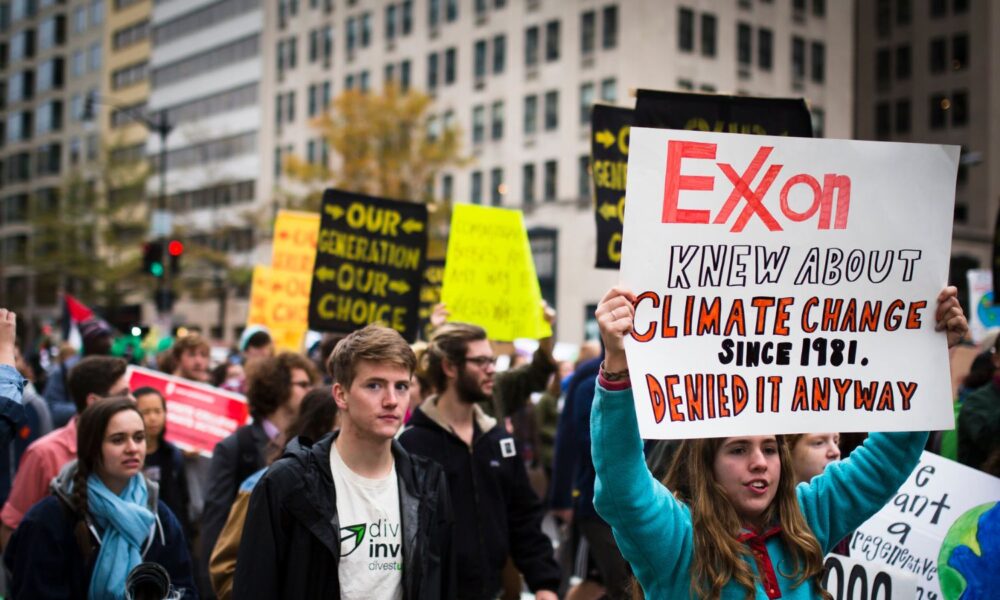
(357, 531)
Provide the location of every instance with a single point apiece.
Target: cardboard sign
(198, 415)
(850, 579)
(430, 295)
(608, 167)
(781, 281)
(279, 300)
(943, 526)
(489, 275)
(369, 264)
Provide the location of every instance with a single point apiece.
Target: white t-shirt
(371, 533)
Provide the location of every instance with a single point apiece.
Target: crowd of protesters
(372, 468)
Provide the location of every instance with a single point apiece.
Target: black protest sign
(370, 260)
(996, 261)
(430, 294)
(722, 114)
(608, 165)
(672, 110)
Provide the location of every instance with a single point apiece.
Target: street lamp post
(161, 220)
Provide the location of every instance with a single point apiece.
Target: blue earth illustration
(988, 313)
(970, 553)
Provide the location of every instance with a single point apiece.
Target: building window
(407, 17)
(432, 71)
(939, 105)
(960, 6)
(528, 184)
(903, 62)
(496, 120)
(818, 62)
(478, 124)
(583, 176)
(744, 47)
(959, 52)
(451, 11)
(586, 101)
(499, 54)
(530, 114)
(476, 187)
(609, 27)
(447, 187)
(765, 49)
(366, 29)
(588, 32)
(78, 63)
(708, 27)
(552, 41)
(450, 58)
(959, 108)
(939, 55)
(798, 58)
(390, 22)
(939, 8)
(404, 75)
(883, 17)
(531, 47)
(497, 188)
(551, 110)
(685, 29)
(818, 118)
(903, 116)
(883, 68)
(608, 90)
(551, 175)
(904, 12)
(479, 64)
(819, 8)
(883, 125)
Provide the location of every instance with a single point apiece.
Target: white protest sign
(850, 579)
(943, 526)
(786, 284)
(983, 313)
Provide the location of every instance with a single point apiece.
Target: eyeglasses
(482, 361)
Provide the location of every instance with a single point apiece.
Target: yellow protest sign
(279, 300)
(489, 275)
(295, 242)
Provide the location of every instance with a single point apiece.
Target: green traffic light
(156, 269)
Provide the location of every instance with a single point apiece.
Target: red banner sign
(198, 415)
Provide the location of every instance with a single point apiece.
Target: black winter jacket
(291, 539)
(496, 511)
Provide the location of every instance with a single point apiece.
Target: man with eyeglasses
(496, 511)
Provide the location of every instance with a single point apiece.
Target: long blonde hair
(719, 556)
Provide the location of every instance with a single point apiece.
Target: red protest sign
(198, 415)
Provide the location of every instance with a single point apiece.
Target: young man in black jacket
(496, 512)
(352, 516)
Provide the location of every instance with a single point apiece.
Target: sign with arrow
(370, 258)
(608, 165)
(430, 294)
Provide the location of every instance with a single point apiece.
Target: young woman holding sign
(729, 521)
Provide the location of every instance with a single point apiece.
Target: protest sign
(850, 579)
(279, 300)
(489, 275)
(785, 284)
(198, 415)
(369, 264)
(672, 110)
(943, 525)
(430, 294)
(294, 246)
(984, 313)
(608, 166)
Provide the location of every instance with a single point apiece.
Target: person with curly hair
(275, 389)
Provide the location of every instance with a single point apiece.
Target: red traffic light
(175, 248)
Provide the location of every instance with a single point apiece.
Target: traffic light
(152, 258)
(175, 248)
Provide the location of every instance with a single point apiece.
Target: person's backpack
(248, 460)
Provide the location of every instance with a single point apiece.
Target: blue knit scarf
(126, 523)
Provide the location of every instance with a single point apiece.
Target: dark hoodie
(45, 560)
(290, 546)
(496, 511)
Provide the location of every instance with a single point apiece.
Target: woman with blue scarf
(102, 520)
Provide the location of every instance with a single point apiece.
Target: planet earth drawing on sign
(970, 553)
(988, 313)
